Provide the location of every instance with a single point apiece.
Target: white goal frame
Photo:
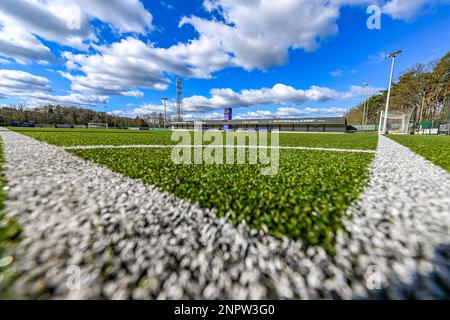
(402, 126)
(97, 125)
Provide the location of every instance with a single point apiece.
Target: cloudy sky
(286, 58)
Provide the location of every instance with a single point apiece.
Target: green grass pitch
(86, 137)
(434, 148)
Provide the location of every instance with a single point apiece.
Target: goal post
(396, 123)
(95, 125)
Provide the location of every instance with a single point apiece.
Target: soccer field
(87, 137)
(306, 200)
(120, 200)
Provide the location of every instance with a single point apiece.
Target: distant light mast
(179, 98)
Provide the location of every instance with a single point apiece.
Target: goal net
(93, 125)
(396, 123)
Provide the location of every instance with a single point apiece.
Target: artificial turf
(434, 148)
(305, 201)
(86, 137)
(360, 141)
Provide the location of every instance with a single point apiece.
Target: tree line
(422, 91)
(50, 115)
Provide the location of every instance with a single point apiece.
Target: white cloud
(278, 94)
(5, 61)
(22, 46)
(121, 15)
(133, 93)
(336, 73)
(167, 5)
(197, 59)
(67, 22)
(15, 83)
(37, 90)
(149, 108)
(208, 116)
(116, 69)
(258, 114)
(258, 34)
(45, 19)
(360, 91)
(295, 112)
(72, 99)
(408, 9)
(291, 112)
(123, 67)
(376, 58)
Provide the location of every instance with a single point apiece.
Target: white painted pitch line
(216, 146)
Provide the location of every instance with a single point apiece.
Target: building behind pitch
(337, 124)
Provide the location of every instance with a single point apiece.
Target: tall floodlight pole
(365, 105)
(164, 101)
(179, 97)
(391, 55)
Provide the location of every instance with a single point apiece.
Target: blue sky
(289, 58)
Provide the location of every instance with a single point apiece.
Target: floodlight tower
(179, 97)
(164, 101)
(391, 55)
